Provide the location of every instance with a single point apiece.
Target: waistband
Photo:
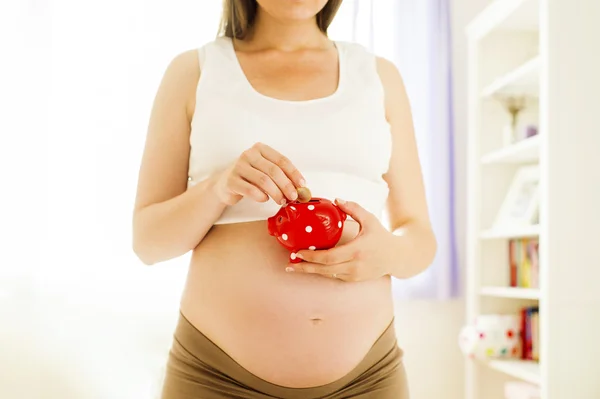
(196, 343)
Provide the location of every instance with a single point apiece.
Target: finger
(333, 256)
(315, 268)
(286, 186)
(357, 212)
(283, 163)
(262, 181)
(246, 189)
(345, 272)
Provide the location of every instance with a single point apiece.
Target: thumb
(357, 212)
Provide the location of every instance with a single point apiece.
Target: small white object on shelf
(521, 204)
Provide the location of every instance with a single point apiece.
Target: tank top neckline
(250, 89)
(340, 141)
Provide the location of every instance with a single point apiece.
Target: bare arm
(407, 204)
(375, 252)
(169, 221)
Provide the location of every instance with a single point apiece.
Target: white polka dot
(340, 225)
(293, 209)
(312, 247)
(311, 207)
(293, 255)
(284, 236)
(308, 229)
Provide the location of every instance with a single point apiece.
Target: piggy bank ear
(343, 214)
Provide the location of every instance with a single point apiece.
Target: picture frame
(521, 204)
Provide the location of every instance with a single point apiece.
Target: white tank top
(340, 143)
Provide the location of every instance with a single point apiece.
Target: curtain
(415, 35)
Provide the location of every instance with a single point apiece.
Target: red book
(524, 333)
(512, 263)
(528, 333)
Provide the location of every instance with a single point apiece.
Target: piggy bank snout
(272, 225)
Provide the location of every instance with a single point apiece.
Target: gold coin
(304, 194)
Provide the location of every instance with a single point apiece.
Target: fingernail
(299, 256)
(282, 202)
(340, 201)
(289, 269)
(302, 183)
(293, 195)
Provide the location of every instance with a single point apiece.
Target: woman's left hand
(372, 254)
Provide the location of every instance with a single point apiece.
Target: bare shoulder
(390, 76)
(185, 64)
(181, 77)
(163, 172)
(386, 67)
(396, 99)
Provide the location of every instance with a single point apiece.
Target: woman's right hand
(259, 173)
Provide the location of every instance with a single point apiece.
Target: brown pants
(198, 369)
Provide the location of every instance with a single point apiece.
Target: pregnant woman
(238, 126)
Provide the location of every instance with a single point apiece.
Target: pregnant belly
(290, 329)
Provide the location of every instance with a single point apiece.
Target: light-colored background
(429, 330)
(56, 348)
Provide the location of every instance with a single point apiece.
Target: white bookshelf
(523, 370)
(522, 79)
(527, 150)
(514, 232)
(545, 50)
(510, 292)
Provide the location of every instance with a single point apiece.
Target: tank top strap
(217, 67)
(362, 74)
(202, 56)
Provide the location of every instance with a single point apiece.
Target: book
(523, 262)
(535, 336)
(530, 338)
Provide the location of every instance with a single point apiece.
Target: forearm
(417, 246)
(172, 228)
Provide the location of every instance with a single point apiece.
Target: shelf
(524, 80)
(517, 232)
(511, 292)
(506, 15)
(527, 150)
(525, 370)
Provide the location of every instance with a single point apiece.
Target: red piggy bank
(316, 224)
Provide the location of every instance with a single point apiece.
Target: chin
(292, 10)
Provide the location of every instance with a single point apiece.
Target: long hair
(238, 17)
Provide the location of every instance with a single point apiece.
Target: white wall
(79, 316)
(83, 322)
